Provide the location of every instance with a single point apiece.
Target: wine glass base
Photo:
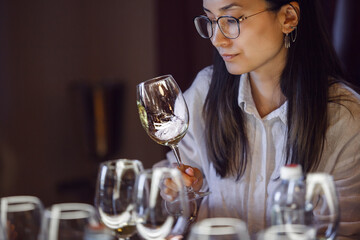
(193, 196)
(196, 195)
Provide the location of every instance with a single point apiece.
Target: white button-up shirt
(250, 198)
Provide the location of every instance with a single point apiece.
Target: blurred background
(68, 71)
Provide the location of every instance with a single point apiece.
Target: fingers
(188, 175)
(192, 177)
(168, 194)
(170, 184)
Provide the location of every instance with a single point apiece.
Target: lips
(228, 57)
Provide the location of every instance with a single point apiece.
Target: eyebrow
(226, 7)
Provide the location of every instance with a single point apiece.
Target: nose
(218, 39)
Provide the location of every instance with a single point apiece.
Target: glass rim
(290, 229)
(21, 198)
(21, 203)
(222, 226)
(155, 79)
(110, 162)
(170, 170)
(65, 211)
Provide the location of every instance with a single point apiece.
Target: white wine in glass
(164, 115)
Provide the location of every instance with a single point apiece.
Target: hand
(192, 178)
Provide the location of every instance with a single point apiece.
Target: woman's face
(260, 45)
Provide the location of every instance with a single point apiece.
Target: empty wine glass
(69, 221)
(164, 115)
(219, 229)
(114, 199)
(157, 219)
(21, 216)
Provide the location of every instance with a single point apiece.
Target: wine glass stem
(176, 152)
(175, 149)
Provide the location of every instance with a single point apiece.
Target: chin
(234, 69)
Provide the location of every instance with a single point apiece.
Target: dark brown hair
(311, 62)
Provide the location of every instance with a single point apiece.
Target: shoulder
(344, 110)
(344, 101)
(202, 79)
(200, 85)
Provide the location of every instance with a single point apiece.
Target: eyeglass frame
(238, 21)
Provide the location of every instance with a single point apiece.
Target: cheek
(261, 42)
(264, 38)
(255, 49)
(262, 32)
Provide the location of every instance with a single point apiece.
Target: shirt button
(259, 178)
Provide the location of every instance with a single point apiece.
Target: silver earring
(287, 41)
(293, 34)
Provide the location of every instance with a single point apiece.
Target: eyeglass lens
(228, 26)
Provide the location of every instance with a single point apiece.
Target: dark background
(68, 71)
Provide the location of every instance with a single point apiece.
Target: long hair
(311, 67)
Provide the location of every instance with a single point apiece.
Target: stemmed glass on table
(156, 218)
(164, 115)
(114, 199)
(21, 217)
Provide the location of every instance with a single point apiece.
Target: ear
(289, 16)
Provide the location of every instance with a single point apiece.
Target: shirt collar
(246, 102)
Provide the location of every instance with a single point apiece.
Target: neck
(266, 92)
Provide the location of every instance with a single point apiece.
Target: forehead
(223, 5)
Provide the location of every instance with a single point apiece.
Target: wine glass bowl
(114, 198)
(157, 218)
(163, 111)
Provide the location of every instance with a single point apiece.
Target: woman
(274, 95)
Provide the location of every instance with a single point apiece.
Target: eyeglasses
(228, 25)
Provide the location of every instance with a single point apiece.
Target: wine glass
(288, 232)
(156, 218)
(219, 229)
(21, 216)
(164, 115)
(114, 199)
(70, 221)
